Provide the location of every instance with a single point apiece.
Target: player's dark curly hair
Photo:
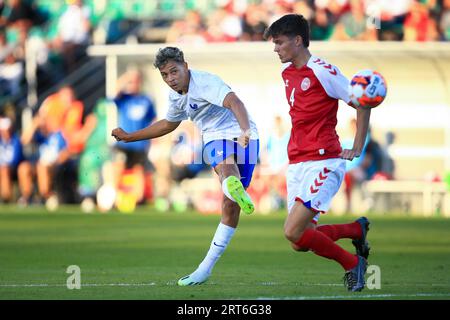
(167, 54)
(290, 25)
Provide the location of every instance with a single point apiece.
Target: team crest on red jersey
(305, 84)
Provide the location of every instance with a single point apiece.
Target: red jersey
(313, 92)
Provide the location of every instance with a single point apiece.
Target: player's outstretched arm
(236, 106)
(362, 126)
(157, 129)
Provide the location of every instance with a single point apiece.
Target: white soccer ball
(367, 89)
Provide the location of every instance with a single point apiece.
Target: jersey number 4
(292, 97)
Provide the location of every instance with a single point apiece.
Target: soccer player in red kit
(316, 160)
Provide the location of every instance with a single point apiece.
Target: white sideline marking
(357, 296)
(173, 283)
(82, 284)
(340, 284)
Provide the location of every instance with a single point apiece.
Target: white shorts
(314, 183)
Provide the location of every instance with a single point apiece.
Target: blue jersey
(11, 152)
(135, 112)
(50, 146)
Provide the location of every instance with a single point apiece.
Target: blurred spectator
(186, 158)
(188, 30)
(278, 9)
(335, 8)
(353, 24)
(51, 155)
(3, 44)
(50, 69)
(387, 169)
(373, 159)
(321, 25)
(63, 112)
(355, 172)
(21, 15)
(417, 22)
(367, 166)
(223, 26)
(95, 154)
(186, 162)
(11, 74)
(392, 16)
(444, 24)
(10, 157)
(135, 111)
(274, 163)
(254, 24)
(304, 8)
(231, 24)
(2, 7)
(74, 29)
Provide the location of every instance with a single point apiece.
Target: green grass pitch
(142, 255)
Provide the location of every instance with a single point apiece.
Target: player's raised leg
(234, 190)
(356, 230)
(299, 232)
(222, 154)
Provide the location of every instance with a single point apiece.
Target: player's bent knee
(298, 248)
(291, 234)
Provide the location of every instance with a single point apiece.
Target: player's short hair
(167, 54)
(290, 25)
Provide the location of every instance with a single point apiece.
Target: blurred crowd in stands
(57, 32)
(64, 154)
(400, 20)
(61, 30)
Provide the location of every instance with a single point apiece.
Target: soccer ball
(367, 89)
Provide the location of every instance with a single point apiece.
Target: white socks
(219, 243)
(225, 189)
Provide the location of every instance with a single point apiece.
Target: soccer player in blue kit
(230, 137)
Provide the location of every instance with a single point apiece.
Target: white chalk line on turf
(82, 285)
(173, 283)
(340, 284)
(360, 296)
